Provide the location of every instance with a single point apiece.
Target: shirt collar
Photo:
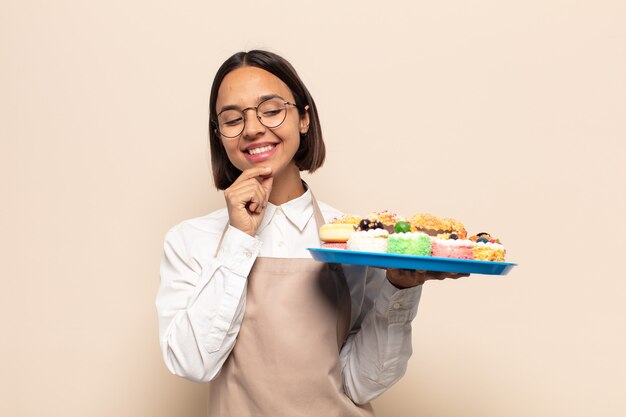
(299, 211)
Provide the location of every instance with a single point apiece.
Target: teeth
(261, 149)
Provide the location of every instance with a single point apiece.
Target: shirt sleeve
(200, 304)
(378, 348)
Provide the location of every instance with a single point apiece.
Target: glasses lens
(230, 123)
(272, 112)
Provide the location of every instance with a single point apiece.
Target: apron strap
(317, 213)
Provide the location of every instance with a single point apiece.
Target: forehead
(244, 86)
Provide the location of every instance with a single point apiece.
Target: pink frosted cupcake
(452, 248)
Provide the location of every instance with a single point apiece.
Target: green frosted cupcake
(411, 243)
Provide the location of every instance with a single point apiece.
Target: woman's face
(258, 145)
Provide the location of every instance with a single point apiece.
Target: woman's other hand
(405, 278)
(247, 198)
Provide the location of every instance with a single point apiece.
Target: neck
(287, 186)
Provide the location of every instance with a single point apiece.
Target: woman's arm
(376, 353)
(200, 305)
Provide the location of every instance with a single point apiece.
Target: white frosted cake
(373, 240)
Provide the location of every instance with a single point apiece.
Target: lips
(260, 149)
(260, 152)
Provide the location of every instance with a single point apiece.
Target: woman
(241, 302)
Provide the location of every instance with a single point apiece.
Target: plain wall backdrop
(509, 116)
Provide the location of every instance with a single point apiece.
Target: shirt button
(247, 253)
(281, 244)
(396, 306)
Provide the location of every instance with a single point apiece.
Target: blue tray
(426, 263)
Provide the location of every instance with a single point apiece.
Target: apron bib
(285, 361)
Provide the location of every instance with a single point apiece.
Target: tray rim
(386, 260)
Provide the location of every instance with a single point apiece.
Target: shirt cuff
(238, 251)
(398, 305)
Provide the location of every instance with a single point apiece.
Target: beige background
(507, 115)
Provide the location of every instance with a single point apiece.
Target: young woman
(241, 302)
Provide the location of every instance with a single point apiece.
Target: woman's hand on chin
(247, 198)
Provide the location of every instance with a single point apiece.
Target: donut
(336, 232)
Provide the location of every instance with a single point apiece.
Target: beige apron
(285, 361)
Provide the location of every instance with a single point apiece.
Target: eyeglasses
(271, 113)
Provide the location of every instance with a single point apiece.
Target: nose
(252, 126)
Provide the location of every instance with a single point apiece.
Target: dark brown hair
(311, 153)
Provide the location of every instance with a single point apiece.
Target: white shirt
(201, 299)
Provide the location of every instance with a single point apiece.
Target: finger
(264, 189)
(258, 200)
(451, 275)
(406, 278)
(407, 274)
(454, 275)
(244, 196)
(262, 195)
(266, 184)
(254, 173)
(247, 196)
(243, 184)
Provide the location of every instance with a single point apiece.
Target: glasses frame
(256, 110)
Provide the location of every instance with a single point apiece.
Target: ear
(304, 120)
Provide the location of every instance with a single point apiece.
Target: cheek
(291, 139)
(231, 151)
(292, 130)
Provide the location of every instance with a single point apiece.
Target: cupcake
(488, 248)
(433, 225)
(448, 245)
(373, 240)
(409, 243)
(387, 218)
(370, 236)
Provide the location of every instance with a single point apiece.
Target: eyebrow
(260, 99)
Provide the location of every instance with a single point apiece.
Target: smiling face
(258, 145)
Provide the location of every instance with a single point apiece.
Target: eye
(271, 108)
(233, 122)
(271, 112)
(230, 118)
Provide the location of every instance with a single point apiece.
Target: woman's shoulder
(207, 228)
(195, 240)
